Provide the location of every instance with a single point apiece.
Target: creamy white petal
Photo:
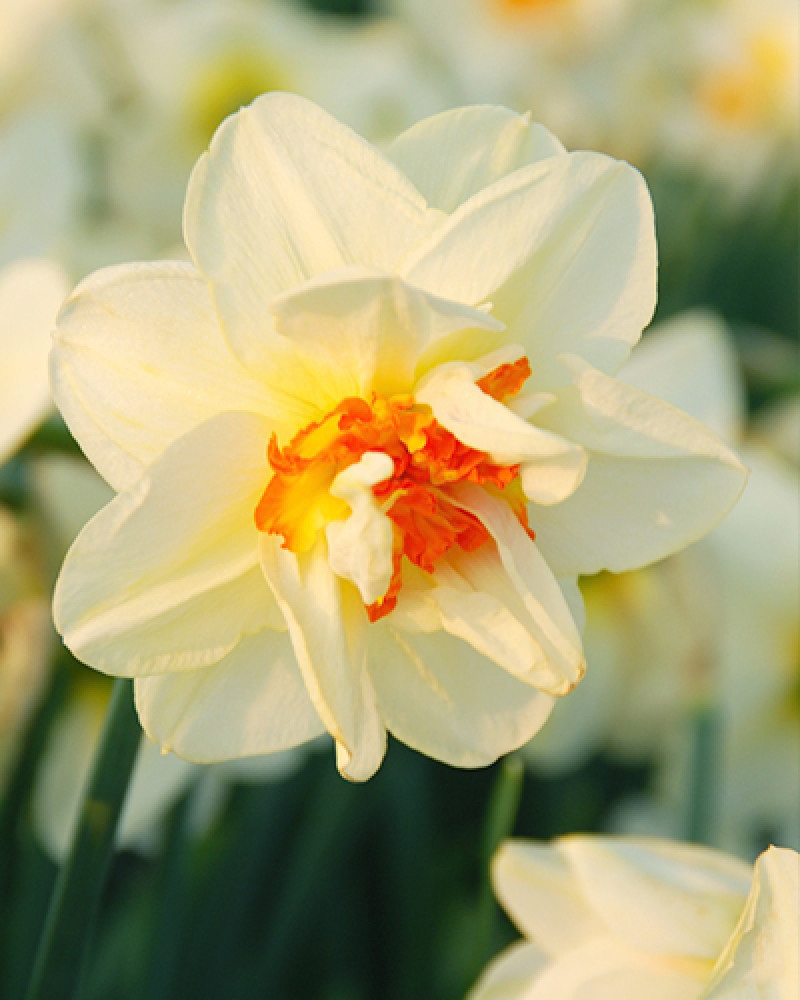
(355, 331)
(552, 467)
(661, 897)
(762, 958)
(30, 293)
(253, 701)
(139, 359)
(690, 361)
(605, 969)
(360, 547)
(510, 975)
(441, 697)
(284, 193)
(327, 625)
(540, 893)
(455, 154)
(564, 250)
(166, 576)
(485, 621)
(574, 598)
(521, 579)
(656, 479)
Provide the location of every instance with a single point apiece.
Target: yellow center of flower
(231, 81)
(749, 92)
(529, 7)
(427, 459)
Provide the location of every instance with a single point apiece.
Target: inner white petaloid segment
(551, 467)
(360, 546)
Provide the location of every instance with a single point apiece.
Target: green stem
(501, 814)
(313, 849)
(170, 913)
(76, 896)
(700, 821)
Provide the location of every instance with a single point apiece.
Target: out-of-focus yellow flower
(337, 432)
(616, 918)
(734, 91)
(712, 86)
(25, 636)
(30, 293)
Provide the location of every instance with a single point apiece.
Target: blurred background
(274, 877)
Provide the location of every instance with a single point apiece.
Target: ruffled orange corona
(297, 503)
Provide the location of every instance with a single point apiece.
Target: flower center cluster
(427, 459)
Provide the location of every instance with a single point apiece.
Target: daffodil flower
(25, 637)
(618, 918)
(31, 290)
(365, 442)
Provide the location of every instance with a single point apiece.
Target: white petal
(455, 154)
(286, 193)
(601, 970)
(565, 252)
(157, 782)
(510, 974)
(360, 547)
(690, 361)
(353, 332)
(441, 697)
(605, 969)
(552, 467)
(166, 576)
(758, 543)
(139, 359)
(541, 895)
(30, 293)
(253, 701)
(761, 958)
(522, 579)
(656, 479)
(662, 897)
(485, 621)
(327, 625)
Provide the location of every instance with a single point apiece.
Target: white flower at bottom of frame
(618, 918)
(367, 440)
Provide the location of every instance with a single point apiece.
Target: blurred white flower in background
(537, 55)
(158, 782)
(734, 106)
(712, 86)
(40, 184)
(31, 291)
(715, 625)
(190, 64)
(615, 918)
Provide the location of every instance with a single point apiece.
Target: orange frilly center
(427, 459)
